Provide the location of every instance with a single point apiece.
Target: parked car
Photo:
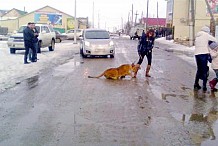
(59, 36)
(70, 33)
(46, 38)
(96, 42)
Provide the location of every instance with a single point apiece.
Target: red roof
(155, 21)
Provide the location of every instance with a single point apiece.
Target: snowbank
(13, 71)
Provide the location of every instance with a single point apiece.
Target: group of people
(30, 35)
(206, 50)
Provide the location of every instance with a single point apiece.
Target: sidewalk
(170, 46)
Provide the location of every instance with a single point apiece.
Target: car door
(46, 40)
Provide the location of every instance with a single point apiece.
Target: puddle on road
(32, 82)
(202, 128)
(66, 68)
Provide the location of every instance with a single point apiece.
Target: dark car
(59, 36)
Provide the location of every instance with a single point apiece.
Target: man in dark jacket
(35, 44)
(28, 36)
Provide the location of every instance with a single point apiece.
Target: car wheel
(111, 56)
(12, 50)
(83, 55)
(51, 48)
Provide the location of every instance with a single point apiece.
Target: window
(21, 29)
(38, 28)
(97, 34)
(51, 28)
(45, 28)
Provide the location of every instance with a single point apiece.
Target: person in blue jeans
(33, 56)
(28, 36)
(201, 53)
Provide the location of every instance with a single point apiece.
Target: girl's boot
(212, 84)
(147, 71)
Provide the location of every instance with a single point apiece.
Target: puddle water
(66, 68)
(203, 126)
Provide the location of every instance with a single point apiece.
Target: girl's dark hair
(150, 31)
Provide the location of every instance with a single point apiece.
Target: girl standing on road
(214, 55)
(201, 55)
(145, 47)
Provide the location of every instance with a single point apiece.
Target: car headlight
(87, 43)
(111, 43)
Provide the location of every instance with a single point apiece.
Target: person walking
(145, 47)
(28, 42)
(201, 53)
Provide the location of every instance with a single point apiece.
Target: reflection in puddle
(32, 82)
(203, 128)
(164, 96)
(66, 68)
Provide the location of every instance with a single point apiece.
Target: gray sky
(109, 11)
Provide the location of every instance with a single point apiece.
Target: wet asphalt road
(62, 107)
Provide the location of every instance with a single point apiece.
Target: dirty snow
(13, 71)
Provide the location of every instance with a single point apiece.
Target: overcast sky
(110, 12)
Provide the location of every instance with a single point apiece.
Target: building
(154, 22)
(12, 14)
(179, 16)
(2, 12)
(49, 15)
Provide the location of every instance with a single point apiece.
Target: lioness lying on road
(119, 72)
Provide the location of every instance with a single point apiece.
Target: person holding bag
(145, 47)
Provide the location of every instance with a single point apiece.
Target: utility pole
(192, 23)
(93, 16)
(136, 17)
(211, 16)
(157, 17)
(141, 18)
(122, 23)
(147, 16)
(98, 20)
(132, 14)
(75, 24)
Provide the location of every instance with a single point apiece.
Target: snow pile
(13, 70)
(170, 46)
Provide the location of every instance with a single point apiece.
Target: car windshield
(23, 27)
(97, 35)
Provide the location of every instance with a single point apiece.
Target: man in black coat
(28, 36)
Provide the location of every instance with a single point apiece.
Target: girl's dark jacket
(145, 44)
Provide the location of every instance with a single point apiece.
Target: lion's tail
(96, 76)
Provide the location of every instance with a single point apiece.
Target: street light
(75, 24)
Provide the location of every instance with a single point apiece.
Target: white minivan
(46, 38)
(133, 30)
